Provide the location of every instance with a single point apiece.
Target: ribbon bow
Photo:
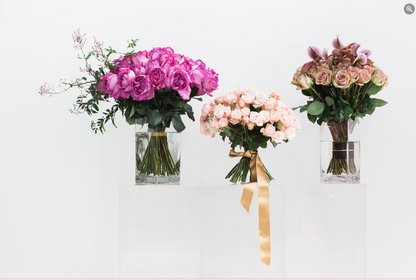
(259, 179)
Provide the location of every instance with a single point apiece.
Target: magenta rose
(126, 80)
(111, 86)
(140, 59)
(179, 80)
(142, 89)
(211, 82)
(157, 77)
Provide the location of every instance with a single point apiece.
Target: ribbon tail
(247, 196)
(264, 212)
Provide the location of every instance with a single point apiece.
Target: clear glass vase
(340, 152)
(158, 155)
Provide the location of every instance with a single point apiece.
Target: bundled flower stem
(342, 160)
(157, 159)
(241, 169)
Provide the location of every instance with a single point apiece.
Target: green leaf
(157, 118)
(177, 123)
(316, 108)
(339, 113)
(377, 102)
(374, 89)
(312, 118)
(140, 111)
(347, 112)
(332, 91)
(329, 101)
(132, 111)
(303, 108)
(370, 107)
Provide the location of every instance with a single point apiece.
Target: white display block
(201, 231)
(325, 231)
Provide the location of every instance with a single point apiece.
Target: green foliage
(330, 103)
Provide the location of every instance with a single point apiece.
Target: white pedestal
(204, 232)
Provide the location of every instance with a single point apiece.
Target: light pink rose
(278, 136)
(203, 129)
(353, 72)
(248, 99)
(236, 114)
(270, 104)
(203, 118)
(260, 98)
(275, 96)
(274, 116)
(219, 112)
(245, 119)
(290, 133)
(245, 111)
(219, 99)
(230, 98)
(297, 124)
(206, 109)
(223, 122)
(234, 121)
(215, 124)
(266, 115)
(287, 120)
(379, 78)
(280, 126)
(227, 111)
(250, 125)
(342, 79)
(268, 130)
(324, 77)
(241, 103)
(256, 118)
(363, 77)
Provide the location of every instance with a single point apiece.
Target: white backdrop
(59, 181)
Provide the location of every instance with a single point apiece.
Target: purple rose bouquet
(148, 87)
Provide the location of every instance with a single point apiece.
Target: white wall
(59, 182)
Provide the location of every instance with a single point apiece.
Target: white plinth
(204, 232)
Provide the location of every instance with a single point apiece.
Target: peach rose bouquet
(249, 119)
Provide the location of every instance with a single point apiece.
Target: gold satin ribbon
(259, 179)
(159, 134)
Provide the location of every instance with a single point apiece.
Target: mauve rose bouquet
(249, 119)
(148, 87)
(340, 85)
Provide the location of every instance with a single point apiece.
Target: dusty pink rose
(353, 72)
(268, 130)
(278, 136)
(223, 122)
(256, 118)
(302, 81)
(369, 68)
(379, 78)
(341, 79)
(323, 77)
(363, 77)
(245, 111)
(342, 66)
